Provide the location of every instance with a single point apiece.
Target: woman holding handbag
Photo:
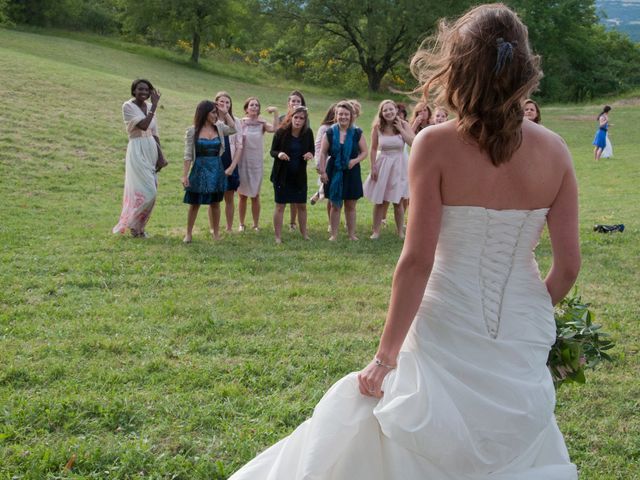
(143, 158)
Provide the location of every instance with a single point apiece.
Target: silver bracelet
(384, 365)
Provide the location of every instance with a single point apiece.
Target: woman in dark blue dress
(292, 148)
(233, 145)
(204, 178)
(346, 147)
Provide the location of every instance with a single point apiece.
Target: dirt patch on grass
(578, 118)
(635, 101)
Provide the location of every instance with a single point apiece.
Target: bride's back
(530, 179)
(482, 69)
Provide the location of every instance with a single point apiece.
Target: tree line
(359, 45)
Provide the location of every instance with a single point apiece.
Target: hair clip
(505, 54)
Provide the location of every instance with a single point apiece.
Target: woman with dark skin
(291, 149)
(140, 185)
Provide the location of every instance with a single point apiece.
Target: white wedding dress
(471, 398)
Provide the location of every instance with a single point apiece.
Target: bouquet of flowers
(579, 342)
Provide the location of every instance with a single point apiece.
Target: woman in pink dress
(387, 182)
(251, 167)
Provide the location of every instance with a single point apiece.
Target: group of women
(224, 154)
(458, 387)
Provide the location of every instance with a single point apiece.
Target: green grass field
(153, 359)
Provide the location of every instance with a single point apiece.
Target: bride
(459, 388)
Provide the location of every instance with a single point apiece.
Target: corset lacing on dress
(496, 261)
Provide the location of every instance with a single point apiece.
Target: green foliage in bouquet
(579, 342)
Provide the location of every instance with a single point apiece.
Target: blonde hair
(486, 95)
(347, 105)
(357, 107)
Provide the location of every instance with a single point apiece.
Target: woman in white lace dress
(458, 388)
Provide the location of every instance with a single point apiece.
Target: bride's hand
(370, 379)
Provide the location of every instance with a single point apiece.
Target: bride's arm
(415, 263)
(562, 221)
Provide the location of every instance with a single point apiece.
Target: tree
(171, 19)
(376, 34)
(579, 58)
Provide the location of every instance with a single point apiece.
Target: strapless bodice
(488, 255)
(390, 143)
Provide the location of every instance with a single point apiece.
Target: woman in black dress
(291, 149)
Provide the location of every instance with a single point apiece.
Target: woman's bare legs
(192, 214)
(379, 211)
(242, 210)
(294, 215)
(229, 208)
(214, 220)
(278, 214)
(398, 214)
(301, 208)
(350, 218)
(334, 220)
(329, 215)
(255, 211)
(597, 153)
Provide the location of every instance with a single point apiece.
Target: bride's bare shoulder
(549, 144)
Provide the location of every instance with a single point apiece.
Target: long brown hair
(330, 116)
(380, 123)
(419, 107)
(486, 94)
(225, 94)
(286, 126)
(200, 117)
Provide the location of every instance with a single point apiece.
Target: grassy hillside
(153, 359)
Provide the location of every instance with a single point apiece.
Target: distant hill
(623, 15)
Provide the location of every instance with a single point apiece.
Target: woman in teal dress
(343, 148)
(204, 178)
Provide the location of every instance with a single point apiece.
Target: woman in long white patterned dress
(140, 179)
(459, 388)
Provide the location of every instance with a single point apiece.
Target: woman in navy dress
(291, 149)
(204, 178)
(233, 145)
(346, 147)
